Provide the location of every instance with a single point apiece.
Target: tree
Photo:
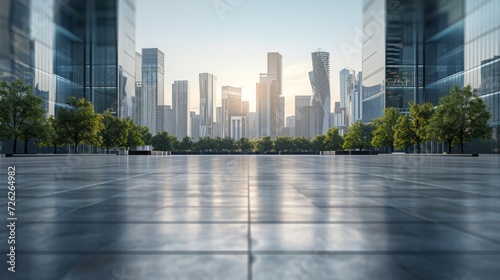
(79, 123)
(146, 135)
(318, 143)
(163, 141)
(284, 143)
(186, 144)
(302, 144)
(264, 145)
(357, 137)
(333, 140)
(245, 145)
(50, 135)
(460, 117)
(383, 135)
(21, 112)
(413, 128)
(134, 134)
(113, 131)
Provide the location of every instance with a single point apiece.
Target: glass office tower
(71, 48)
(418, 50)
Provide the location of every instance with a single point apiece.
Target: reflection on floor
(255, 217)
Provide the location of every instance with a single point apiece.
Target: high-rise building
(281, 116)
(320, 83)
(269, 89)
(207, 104)
(139, 102)
(231, 107)
(218, 132)
(266, 90)
(153, 87)
(343, 74)
(245, 110)
(423, 48)
(195, 126)
(168, 119)
(46, 44)
(180, 105)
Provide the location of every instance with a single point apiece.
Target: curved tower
(320, 83)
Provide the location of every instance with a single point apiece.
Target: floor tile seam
(259, 252)
(93, 185)
(423, 183)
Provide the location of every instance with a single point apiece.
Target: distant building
(195, 126)
(153, 87)
(168, 119)
(320, 83)
(207, 104)
(180, 105)
(231, 107)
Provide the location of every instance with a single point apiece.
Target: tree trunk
(76, 147)
(107, 150)
(25, 146)
(15, 145)
(55, 149)
(418, 147)
(461, 146)
(449, 146)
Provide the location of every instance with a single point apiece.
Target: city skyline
(198, 38)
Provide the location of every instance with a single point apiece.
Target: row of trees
(22, 117)
(166, 142)
(460, 117)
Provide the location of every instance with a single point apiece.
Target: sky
(231, 39)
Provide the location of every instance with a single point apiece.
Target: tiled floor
(254, 217)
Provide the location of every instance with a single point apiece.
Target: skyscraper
(153, 87)
(423, 48)
(266, 112)
(207, 104)
(320, 82)
(47, 45)
(231, 107)
(140, 110)
(269, 90)
(180, 105)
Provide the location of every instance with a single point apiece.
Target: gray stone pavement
(254, 217)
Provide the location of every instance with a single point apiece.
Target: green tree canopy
(245, 145)
(163, 141)
(318, 143)
(460, 117)
(383, 135)
(412, 129)
(333, 140)
(134, 134)
(358, 137)
(302, 144)
(21, 112)
(284, 144)
(50, 135)
(113, 131)
(79, 123)
(264, 145)
(186, 144)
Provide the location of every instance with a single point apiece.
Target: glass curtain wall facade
(419, 50)
(180, 105)
(153, 88)
(207, 104)
(320, 83)
(71, 48)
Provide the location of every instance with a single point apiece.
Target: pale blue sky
(232, 41)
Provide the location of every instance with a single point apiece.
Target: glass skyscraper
(207, 104)
(71, 48)
(320, 82)
(418, 50)
(153, 88)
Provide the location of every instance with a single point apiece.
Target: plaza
(254, 217)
